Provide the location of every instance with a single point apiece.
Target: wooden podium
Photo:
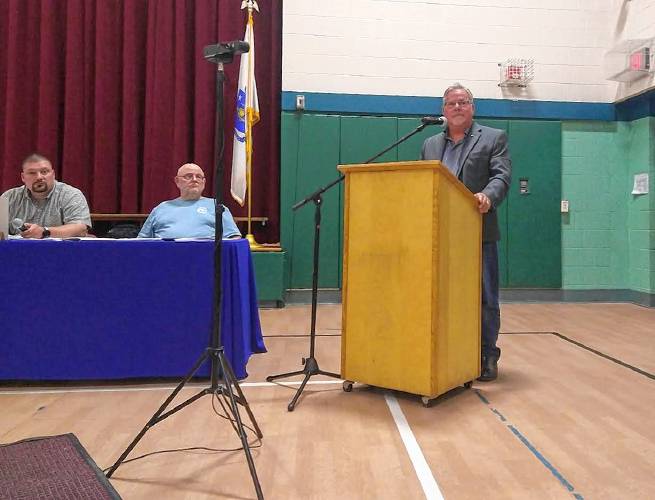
(411, 278)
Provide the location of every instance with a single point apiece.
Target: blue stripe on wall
(636, 107)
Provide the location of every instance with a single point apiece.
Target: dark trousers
(490, 303)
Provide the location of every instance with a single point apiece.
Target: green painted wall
(640, 155)
(594, 248)
(533, 219)
(310, 153)
(530, 246)
(313, 144)
(608, 237)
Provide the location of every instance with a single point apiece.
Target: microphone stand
(311, 367)
(223, 382)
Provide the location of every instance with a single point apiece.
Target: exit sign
(640, 60)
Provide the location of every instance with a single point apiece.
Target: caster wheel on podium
(347, 386)
(426, 401)
(468, 385)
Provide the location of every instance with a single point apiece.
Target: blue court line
(530, 447)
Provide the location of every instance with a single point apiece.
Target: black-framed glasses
(190, 177)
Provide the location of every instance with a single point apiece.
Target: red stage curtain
(117, 94)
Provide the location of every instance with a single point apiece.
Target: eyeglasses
(190, 177)
(462, 104)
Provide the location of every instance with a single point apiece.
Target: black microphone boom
(433, 120)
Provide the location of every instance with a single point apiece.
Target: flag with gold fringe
(247, 114)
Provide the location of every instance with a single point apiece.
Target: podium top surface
(434, 165)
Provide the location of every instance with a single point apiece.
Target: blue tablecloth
(98, 309)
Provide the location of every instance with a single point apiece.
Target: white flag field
(247, 114)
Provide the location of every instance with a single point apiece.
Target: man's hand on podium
(484, 203)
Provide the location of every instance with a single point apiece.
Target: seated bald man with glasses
(189, 216)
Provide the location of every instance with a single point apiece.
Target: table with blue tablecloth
(121, 309)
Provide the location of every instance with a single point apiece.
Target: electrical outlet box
(300, 102)
(564, 206)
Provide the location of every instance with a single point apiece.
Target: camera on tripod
(225, 52)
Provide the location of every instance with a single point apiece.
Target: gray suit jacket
(485, 168)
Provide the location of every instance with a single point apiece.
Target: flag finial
(251, 4)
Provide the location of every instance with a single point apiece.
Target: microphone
(222, 49)
(19, 225)
(433, 120)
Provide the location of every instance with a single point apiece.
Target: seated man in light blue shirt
(189, 216)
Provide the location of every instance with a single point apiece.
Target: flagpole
(252, 5)
(246, 116)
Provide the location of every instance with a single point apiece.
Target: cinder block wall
(394, 57)
(418, 48)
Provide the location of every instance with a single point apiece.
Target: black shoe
(489, 369)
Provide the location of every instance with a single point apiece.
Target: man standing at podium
(479, 157)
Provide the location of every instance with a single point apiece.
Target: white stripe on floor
(423, 472)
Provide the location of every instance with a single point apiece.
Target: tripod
(222, 379)
(310, 363)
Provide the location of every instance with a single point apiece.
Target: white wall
(419, 47)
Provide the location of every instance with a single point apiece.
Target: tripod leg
(292, 405)
(227, 372)
(270, 378)
(243, 400)
(155, 418)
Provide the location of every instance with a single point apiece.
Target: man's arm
(500, 172)
(230, 229)
(423, 157)
(148, 228)
(430, 148)
(65, 231)
(76, 217)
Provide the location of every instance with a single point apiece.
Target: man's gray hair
(457, 86)
(34, 158)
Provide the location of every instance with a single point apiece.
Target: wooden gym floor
(571, 416)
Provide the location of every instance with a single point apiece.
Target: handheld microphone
(19, 225)
(433, 120)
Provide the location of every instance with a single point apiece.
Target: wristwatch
(46, 233)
